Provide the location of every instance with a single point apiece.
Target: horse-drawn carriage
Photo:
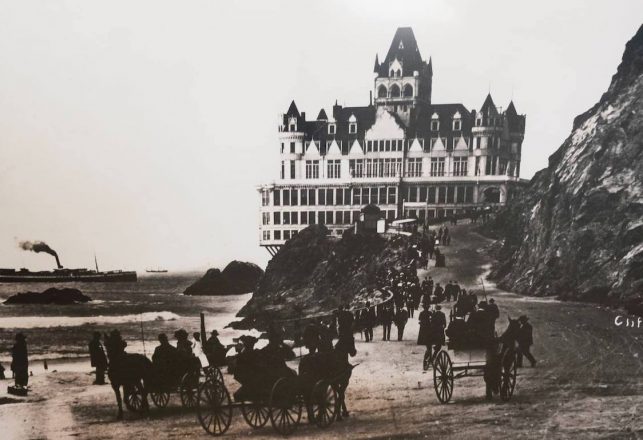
(280, 398)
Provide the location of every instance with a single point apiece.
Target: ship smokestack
(40, 246)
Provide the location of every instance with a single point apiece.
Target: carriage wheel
(134, 398)
(323, 404)
(443, 377)
(509, 373)
(255, 414)
(215, 373)
(285, 406)
(160, 398)
(214, 407)
(188, 389)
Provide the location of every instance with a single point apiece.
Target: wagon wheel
(215, 372)
(214, 408)
(443, 377)
(509, 373)
(323, 404)
(160, 398)
(285, 406)
(255, 414)
(134, 398)
(188, 389)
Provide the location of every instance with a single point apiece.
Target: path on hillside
(588, 382)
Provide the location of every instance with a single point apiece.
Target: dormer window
(332, 128)
(352, 128)
(292, 124)
(435, 125)
(457, 125)
(401, 46)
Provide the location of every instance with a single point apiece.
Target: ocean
(140, 311)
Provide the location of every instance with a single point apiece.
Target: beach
(588, 382)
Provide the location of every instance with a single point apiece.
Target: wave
(75, 321)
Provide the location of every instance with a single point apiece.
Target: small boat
(156, 270)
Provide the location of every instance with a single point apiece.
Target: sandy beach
(588, 383)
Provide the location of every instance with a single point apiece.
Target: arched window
(392, 73)
(408, 91)
(381, 91)
(395, 91)
(398, 73)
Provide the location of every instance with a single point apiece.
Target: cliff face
(577, 229)
(313, 274)
(237, 277)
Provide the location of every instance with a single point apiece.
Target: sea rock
(576, 231)
(237, 277)
(314, 273)
(52, 295)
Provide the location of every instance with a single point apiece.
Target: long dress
(197, 350)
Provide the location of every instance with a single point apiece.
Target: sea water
(140, 311)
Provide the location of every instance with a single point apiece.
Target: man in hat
(493, 310)
(525, 341)
(386, 317)
(182, 343)
(20, 361)
(438, 324)
(215, 350)
(165, 358)
(368, 316)
(401, 318)
(97, 358)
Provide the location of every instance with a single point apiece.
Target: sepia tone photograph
(349, 219)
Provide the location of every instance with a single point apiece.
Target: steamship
(64, 275)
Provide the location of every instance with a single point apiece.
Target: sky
(139, 130)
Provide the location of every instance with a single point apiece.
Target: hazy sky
(139, 129)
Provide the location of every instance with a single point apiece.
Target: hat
(214, 333)
(248, 340)
(180, 332)
(491, 300)
(523, 318)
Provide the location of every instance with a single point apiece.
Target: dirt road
(588, 383)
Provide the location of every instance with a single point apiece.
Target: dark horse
(131, 371)
(500, 357)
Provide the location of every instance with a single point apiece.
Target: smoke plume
(39, 246)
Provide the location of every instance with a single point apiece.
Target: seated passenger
(165, 359)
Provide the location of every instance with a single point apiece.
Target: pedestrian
(438, 324)
(401, 318)
(438, 293)
(20, 361)
(97, 358)
(525, 341)
(368, 321)
(387, 320)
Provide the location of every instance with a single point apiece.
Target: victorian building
(401, 152)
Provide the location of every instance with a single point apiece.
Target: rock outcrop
(577, 229)
(52, 295)
(238, 277)
(313, 274)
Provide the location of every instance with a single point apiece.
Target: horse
(131, 371)
(500, 356)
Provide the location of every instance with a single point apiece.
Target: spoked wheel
(255, 414)
(160, 398)
(214, 408)
(285, 406)
(509, 373)
(189, 388)
(323, 404)
(443, 377)
(134, 398)
(215, 373)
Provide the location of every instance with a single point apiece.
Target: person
(197, 350)
(215, 350)
(438, 293)
(165, 359)
(182, 342)
(20, 361)
(493, 310)
(438, 324)
(344, 322)
(311, 337)
(97, 358)
(525, 341)
(368, 316)
(387, 320)
(456, 291)
(425, 326)
(447, 291)
(2, 377)
(401, 318)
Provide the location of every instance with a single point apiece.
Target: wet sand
(588, 383)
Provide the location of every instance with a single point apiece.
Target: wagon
(456, 363)
(282, 404)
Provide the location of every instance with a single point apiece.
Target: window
(450, 194)
(423, 194)
(312, 169)
(277, 218)
(357, 167)
(477, 143)
(435, 125)
(478, 122)
(286, 218)
(395, 91)
(265, 198)
(286, 197)
(339, 196)
(322, 220)
(282, 148)
(381, 91)
(304, 217)
(437, 166)
(286, 235)
(294, 218)
(321, 196)
(339, 217)
(293, 197)
(311, 197)
(468, 194)
(347, 218)
(457, 125)
(392, 195)
(277, 235)
(460, 166)
(304, 197)
(332, 128)
(352, 128)
(357, 196)
(266, 235)
(292, 147)
(477, 170)
(414, 167)
(382, 196)
(329, 217)
(431, 195)
(265, 218)
(442, 194)
(459, 197)
(292, 169)
(334, 169)
(408, 91)
(413, 194)
(282, 170)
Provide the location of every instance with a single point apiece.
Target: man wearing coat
(97, 358)
(525, 341)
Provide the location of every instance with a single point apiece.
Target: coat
(525, 335)
(97, 354)
(19, 358)
(424, 335)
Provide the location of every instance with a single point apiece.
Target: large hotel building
(401, 152)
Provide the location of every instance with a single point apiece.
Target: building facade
(401, 152)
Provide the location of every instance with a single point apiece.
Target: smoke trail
(39, 246)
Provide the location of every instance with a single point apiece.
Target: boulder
(238, 277)
(52, 295)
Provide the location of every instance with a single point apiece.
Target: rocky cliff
(53, 295)
(577, 229)
(237, 277)
(313, 274)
